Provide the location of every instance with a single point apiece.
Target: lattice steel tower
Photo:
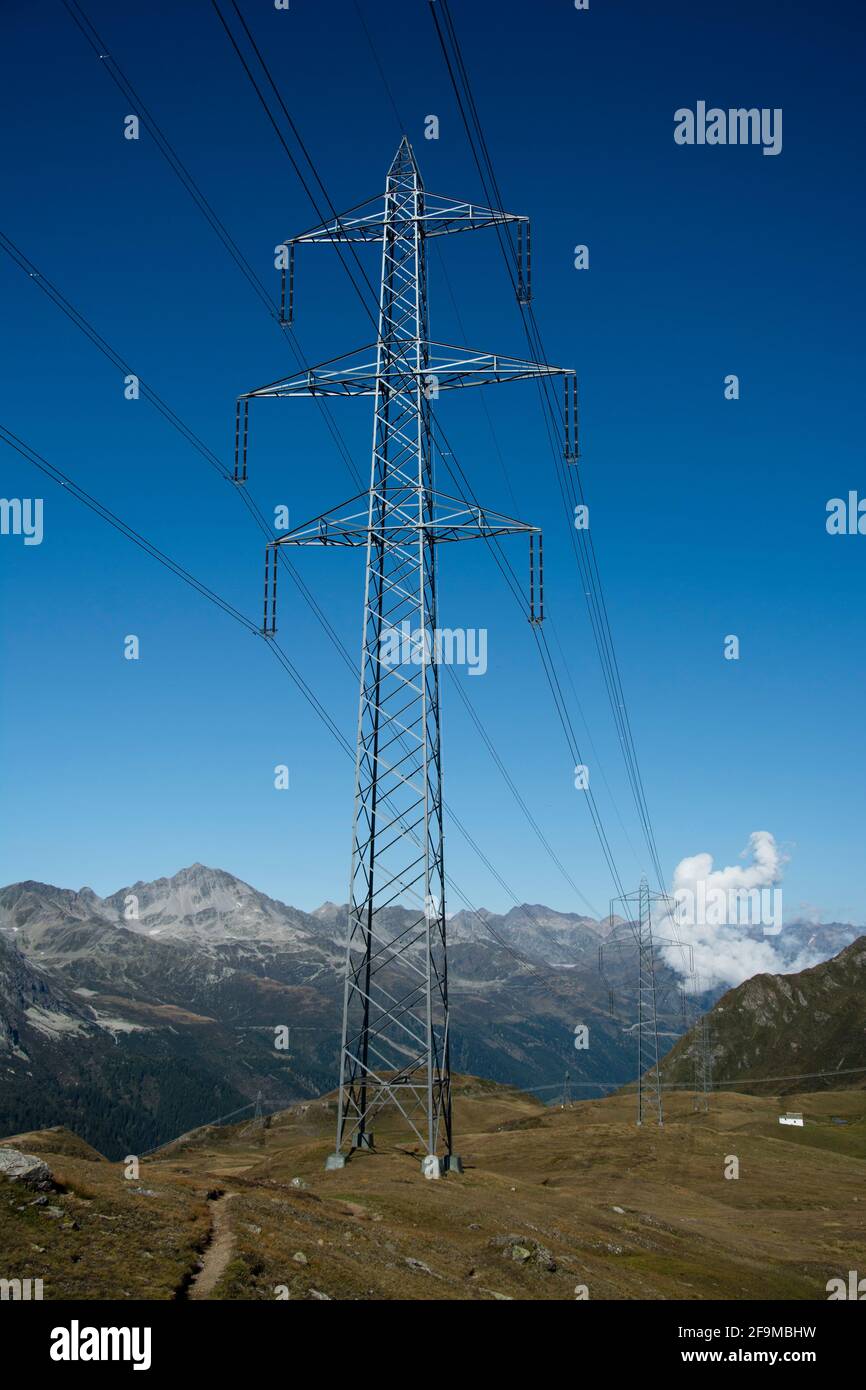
(649, 1090)
(395, 1033)
(638, 931)
(703, 1051)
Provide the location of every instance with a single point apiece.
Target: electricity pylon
(395, 1033)
(703, 1055)
(639, 935)
(257, 1121)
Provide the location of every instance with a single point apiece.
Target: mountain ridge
(777, 1031)
(192, 975)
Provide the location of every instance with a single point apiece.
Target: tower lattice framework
(395, 1025)
(649, 1090)
(703, 1052)
(636, 934)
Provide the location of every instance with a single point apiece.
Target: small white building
(792, 1117)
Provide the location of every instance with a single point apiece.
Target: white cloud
(727, 952)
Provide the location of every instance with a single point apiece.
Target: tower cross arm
(446, 519)
(363, 222)
(435, 215)
(444, 367)
(441, 216)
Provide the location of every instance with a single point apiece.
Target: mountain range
(137, 1016)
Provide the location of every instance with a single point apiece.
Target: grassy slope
(795, 1218)
(788, 1026)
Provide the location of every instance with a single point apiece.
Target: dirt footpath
(219, 1250)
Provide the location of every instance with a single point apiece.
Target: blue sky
(707, 515)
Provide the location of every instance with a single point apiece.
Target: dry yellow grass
(590, 1199)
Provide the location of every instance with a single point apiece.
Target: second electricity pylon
(703, 1054)
(639, 925)
(395, 1034)
(258, 1120)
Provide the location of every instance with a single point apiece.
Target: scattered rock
(26, 1168)
(619, 1210)
(473, 1226)
(145, 1192)
(300, 1258)
(54, 1212)
(322, 1297)
(298, 1182)
(418, 1265)
(523, 1249)
(39, 1201)
(499, 1242)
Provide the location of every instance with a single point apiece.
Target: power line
(119, 78)
(169, 153)
(130, 533)
(485, 737)
(801, 1076)
(689, 1086)
(87, 500)
(494, 543)
(166, 148)
(570, 479)
(212, 459)
(385, 83)
(548, 666)
(192, 438)
(84, 326)
(606, 647)
(126, 530)
(337, 222)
